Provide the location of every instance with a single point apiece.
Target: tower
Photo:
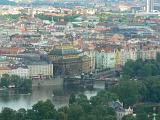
(150, 5)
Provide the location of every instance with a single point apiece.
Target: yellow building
(117, 57)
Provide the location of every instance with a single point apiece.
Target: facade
(40, 70)
(63, 26)
(22, 71)
(4, 63)
(117, 57)
(105, 59)
(132, 54)
(4, 70)
(150, 5)
(124, 56)
(86, 64)
(91, 54)
(68, 60)
(120, 110)
(148, 52)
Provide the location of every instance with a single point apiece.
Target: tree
(15, 80)
(25, 85)
(129, 117)
(5, 80)
(21, 114)
(103, 98)
(75, 112)
(44, 110)
(72, 98)
(7, 114)
(142, 116)
(127, 90)
(62, 116)
(158, 57)
(153, 89)
(128, 68)
(110, 117)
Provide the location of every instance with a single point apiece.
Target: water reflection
(56, 94)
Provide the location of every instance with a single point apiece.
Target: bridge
(108, 77)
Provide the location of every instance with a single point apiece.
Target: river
(57, 94)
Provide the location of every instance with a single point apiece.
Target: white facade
(105, 60)
(121, 114)
(150, 5)
(21, 72)
(40, 70)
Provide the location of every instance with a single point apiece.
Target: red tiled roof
(10, 50)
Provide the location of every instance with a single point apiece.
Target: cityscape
(79, 59)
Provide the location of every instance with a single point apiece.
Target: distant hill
(7, 2)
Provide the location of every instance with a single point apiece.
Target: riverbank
(58, 81)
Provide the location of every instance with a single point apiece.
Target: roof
(118, 106)
(36, 62)
(10, 50)
(64, 51)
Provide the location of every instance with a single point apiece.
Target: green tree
(142, 116)
(158, 57)
(5, 80)
(44, 110)
(128, 69)
(75, 112)
(72, 98)
(103, 98)
(127, 90)
(153, 89)
(7, 114)
(129, 117)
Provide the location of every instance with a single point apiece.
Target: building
(124, 55)
(91, 55)
(11, 50)
(40, 70)
(4, 70)
(63, 26)
(105, 58)
(150, 6)
(21, 71)
(120, 110)
(86, 64)
(4, 63)
(117, 57)
(68, 60)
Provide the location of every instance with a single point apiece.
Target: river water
(57, 94)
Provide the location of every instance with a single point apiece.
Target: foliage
(103, 98)
(22, 85)
(127, 90)
(128, 117)
(140, 68)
